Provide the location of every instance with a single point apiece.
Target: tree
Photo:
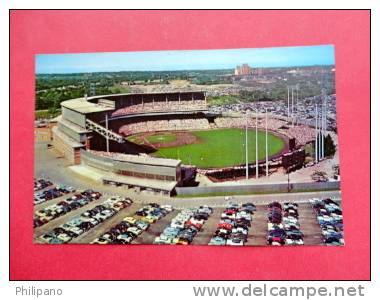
(329, 145)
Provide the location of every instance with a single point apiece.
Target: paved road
(309, 225)
(259, 228)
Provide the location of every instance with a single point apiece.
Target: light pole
(257, 152)
(246, 147)
(266, 142)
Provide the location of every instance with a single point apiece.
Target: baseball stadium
(160, 141)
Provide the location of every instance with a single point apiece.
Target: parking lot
(256, 235)
(201, 230)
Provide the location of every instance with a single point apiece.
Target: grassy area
(221, 100)
(119, 89)
(222, 148)
(161, 138)
(46, 113)
(245, 193)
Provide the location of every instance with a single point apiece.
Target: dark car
(243, 223)
(294, 235)
(240, 236)
(201, 216)
(330, 201)
(332, 241)
(274, 204)
(141, 213)
(222, 233)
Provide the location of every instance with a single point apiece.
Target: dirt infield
(182, 138)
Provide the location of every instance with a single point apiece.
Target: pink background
(92, 31)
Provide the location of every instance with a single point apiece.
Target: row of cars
(283, 225)
(329, 217)
(87, 220)
(185, 226)
(127, 230)
(52, 193)
(40, 184)
(54, 211)
(234, 225)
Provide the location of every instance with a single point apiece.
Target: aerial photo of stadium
(210, 147)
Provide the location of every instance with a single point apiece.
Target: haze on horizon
(184, 60)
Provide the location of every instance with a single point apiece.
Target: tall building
(244, 69)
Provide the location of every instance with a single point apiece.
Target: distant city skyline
(178, 60)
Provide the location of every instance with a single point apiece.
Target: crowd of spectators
(302, 133)
(226, 122)
(161, 106)
(165, 125)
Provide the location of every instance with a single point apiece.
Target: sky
(184, 60)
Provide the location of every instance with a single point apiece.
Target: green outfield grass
(161, 138)
(222, 148)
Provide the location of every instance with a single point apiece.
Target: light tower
(316, 134)
(257, 152)
(266, 142)
(292, 105)
(246, 146)
(323, 121)
(297, 88)
(288, 106)
(320, 135)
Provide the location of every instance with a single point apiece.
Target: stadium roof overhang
(141, 182)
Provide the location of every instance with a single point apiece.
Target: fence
(260, 188)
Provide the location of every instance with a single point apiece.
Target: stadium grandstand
(88, 133)
(99, 132)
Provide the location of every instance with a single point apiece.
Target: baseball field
(211, 148)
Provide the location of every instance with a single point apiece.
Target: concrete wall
(74, 117)
(262, 188)
(79, 137)
(103, 163)
(109, 164)
(71, 154)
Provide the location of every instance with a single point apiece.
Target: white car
(234, 242)
(243, 215)
(325, 218)
(205, 209)
(294, 242)
(135, 230)
(105, 214)
(276, 244)
(168, 208)
(239, 230)
(177, 224)
(64, 237)
(315, 200)
(76, 230)
(228, 216)
(163, 240)
(142, 225)
(195, 221)
(124, 237)
(273, 226)
(289, 220)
